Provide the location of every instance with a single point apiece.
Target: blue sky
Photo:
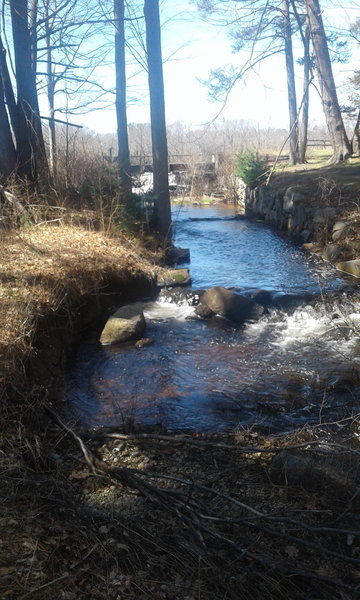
(195, 47)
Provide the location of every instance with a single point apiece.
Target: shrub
(249, 167)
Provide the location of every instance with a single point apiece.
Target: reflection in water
(279, 373)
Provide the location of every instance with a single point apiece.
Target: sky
(191, 48)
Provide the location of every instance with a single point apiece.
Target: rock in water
(203, 311)
(127, 323)
(144, 342)
(174, 277)
(263, 297)
(231, 305)
(177, 256)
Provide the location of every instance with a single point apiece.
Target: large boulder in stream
(229, 304)
(127, 323)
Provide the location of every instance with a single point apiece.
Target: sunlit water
(244, 254)
(286, 370)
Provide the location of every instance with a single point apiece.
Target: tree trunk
(158, 124)
(52, 124)
(50, 85)
(8, 89)
(355, 142)
(293, 117)
(303, 128)
(339, 139)
(29, 138)
(7, 149)
(120, 102)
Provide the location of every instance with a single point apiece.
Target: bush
(249, 167)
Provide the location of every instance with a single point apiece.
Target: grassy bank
(326, 184)
(144, 514)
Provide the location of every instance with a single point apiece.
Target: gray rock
(127, 323)
(174, 277)
(331, 252)
(177, 255)
(289, 301)
(315, 473)
(144, 342)
(231, 305)
(263, 297)
(203, 311)
(350, 266)
(292, 198)
(354, 246)
(338, 230)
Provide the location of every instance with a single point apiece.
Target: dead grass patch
(44, 270)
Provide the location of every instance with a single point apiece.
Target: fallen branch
(128, 437)
(194, 512)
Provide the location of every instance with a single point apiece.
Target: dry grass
(48, 269)
(342, 181)
(48, 274)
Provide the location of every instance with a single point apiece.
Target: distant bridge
(206, 163)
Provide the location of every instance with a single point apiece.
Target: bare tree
(304, 123)
(158, 123)
(30, 145)
(265, 29)
(63, 31)
(290, 76)
(7, 149)
(120, 102)
(334, 120)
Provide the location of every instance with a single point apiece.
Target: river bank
(93, 513)
(316, 207)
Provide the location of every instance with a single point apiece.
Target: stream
(297, 365)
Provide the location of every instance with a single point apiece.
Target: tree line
(53, 48)
(266, 29)
(57, 45)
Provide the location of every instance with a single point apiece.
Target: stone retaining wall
(299, 216)
(290, 212)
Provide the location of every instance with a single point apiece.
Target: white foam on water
(307, 325)
(165, 310)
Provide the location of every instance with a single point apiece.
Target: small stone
(144, 342)
(338, 230)
(331, 252)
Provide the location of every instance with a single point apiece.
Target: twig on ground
(62, 577)
(322, 445)
(194, 512)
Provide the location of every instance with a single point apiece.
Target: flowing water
(294, 366)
